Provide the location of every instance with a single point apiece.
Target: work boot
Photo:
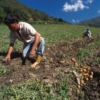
(38, 60)
(23, 61)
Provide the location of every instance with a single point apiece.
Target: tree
(60, 20)
(2, 15)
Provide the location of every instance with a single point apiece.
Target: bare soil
(51, 65)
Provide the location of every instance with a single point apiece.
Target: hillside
(93, 22)
(24, 12)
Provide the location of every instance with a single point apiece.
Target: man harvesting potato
(33, 42)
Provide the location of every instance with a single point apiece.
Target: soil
(51, 65)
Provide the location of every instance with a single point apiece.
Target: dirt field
(51, 65)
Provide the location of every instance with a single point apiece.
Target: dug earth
(58, 58)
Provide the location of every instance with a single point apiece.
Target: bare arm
(35, 44)
(8, 56)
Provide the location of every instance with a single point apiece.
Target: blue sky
(72, 11)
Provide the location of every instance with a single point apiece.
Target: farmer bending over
(33, 42)
(87, 33)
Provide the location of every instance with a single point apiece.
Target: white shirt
(87, 33)
(26, 31)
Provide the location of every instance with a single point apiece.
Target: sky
(72, 11)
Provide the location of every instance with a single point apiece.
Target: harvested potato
(70, 71)
(86, 78)
(73, 59)
(67, 61)
(62, 61)
(91, 76)
(82, 81)
(91, 73)
(81, 74)
(76, 64)
(84, 70)
(88, 67)
(79, 86)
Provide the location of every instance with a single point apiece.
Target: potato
(84, 70)
(73, 59)
(86, 74)
(79, 86)
(88, 67)
(91, 76)
(82, 81)
(67, 61)
(81, 75)
(76, 64)
(91, 73)
(70, 71)
(62, 61)
(86, 78)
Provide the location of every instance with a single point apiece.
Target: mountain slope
(93, 22)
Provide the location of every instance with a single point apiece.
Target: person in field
(87, 33)
(24, 32)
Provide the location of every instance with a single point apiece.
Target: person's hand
(6, 59)
(32, 53)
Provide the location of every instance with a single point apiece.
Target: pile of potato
(85, 73)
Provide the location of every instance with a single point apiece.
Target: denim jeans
(27, 47)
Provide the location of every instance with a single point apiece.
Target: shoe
(38, 60)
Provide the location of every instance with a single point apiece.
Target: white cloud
(76, 5)
(89, 1)
(75, 21)
(98, 11)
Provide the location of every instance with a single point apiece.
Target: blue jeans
(27, 47)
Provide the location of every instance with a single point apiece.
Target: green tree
(2, 15)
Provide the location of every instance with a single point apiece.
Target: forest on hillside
(24, 12)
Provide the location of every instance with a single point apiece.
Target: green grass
(93, 45)
(51, 32)
(37, 90)
(83, 53)
(2, 70)
(97, 59)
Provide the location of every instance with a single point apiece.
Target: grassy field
(51, 32)
(36, 90)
